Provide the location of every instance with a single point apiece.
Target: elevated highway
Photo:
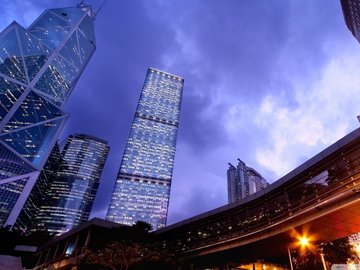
(321, 198)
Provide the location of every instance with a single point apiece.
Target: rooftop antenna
(101, 6)
(93, 13)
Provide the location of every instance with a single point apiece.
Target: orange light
(304, 241)
(357, 248)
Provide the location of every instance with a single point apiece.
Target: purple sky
(271, 82)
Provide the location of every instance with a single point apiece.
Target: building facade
(243, 181)
(351, 11)
(142, 187)
(70, 196)
(39, 67)
(37, 196)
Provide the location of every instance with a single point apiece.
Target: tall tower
(39, 67)
(69, 198)
(142, 188)
(351, 11)
(243, 181)
(37, 195)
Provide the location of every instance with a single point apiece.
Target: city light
(304, 241)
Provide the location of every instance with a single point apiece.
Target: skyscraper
(142, 188)
(37, 195)
(351, 11)
(39, 67)
(70, 196)
(243, 181)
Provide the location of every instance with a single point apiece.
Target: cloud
(270, 82)
(326, 111)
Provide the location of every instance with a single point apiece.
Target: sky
(271, 82)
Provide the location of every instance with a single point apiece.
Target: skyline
(303, 49)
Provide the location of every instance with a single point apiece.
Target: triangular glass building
(39, 67)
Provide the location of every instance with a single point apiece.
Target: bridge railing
(330, 179)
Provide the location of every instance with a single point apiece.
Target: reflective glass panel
(10, 57)
(35, 53)
(50, 29)
(72, 15)
(87, 29)
(33, 142)
(53, 83)
(32, 110)
(70, 51)
(86, 48)
(9, 194)
(9, 93)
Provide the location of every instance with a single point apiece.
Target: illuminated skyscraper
(142, 188)
(243, 181)
(37, 195)
(70, 196)
(39, 67)
(351, 11)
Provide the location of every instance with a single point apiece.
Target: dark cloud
(231, 54)
(200, 200)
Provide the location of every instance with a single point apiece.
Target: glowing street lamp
(304, 242)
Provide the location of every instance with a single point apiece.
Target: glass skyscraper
(39, 67)
(37, 195)
(70, 196)
(142, 188)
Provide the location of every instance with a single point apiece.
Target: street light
(304, 242)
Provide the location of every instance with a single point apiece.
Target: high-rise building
(351, 11)
(243, 181)
(37, 195)
(232, 183)
(39, 67)
(142, 188)
(70, 196)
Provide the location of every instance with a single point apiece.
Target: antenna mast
(102, 5)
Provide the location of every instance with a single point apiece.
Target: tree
(134, 248)
(338, 251)
(142, 226)
(118, 255)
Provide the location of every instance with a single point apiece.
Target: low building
(67, 250)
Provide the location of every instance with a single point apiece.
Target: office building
(142, 187)
(70, 196)
(243, 181)
(39, 67)
(351, 11)
(37, 196)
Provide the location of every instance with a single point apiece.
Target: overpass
(321, 197)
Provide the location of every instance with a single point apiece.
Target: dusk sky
(271, 82)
